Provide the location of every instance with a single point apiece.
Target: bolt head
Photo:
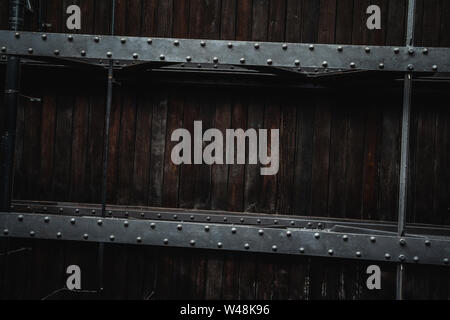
(435, 67)
(3, 49)
(233, 230)
(180, 227)
(275, 221)
(381, 65)
(352, 65)
(85, 236)
(162, 57)
(126, 223)
(401, 257)
(109, 54)
(247, 246)
(219, 245)
(207, 228)
(345, 237)
(188, 58)
(411, 51)
(139, 239)
(269, 62)
(261, 232)
(311, 47)
(176, 43)
(112, 237)
(123, 40)
(340, 48)
(285, 46)
(72, 221)
(166, 241)
(387, 256)
(242, 60)
(425, 51)
(446, 261)
(83, 53)
(317, 235)
(20, 217)
(288, 233)
(402, 242)
(330, 252)
(257, 46)
(202, 43)
(149, 41)
(59, 235)
(416, 259)
(367, 50)
(297, 62)
(274, 248)
(215, 60)
(410, 67)
(192, 243)
(230, 45)
(70, 38)
(358, 254)
(96, 39)
(17, 35)
(302, 250)
(56, 52)
(396, 50)
(32, 233)
(373, 239)
(292, 223)
(100, 222)
(135, 56)
(46, 219)
(325, 64)
(153, 225)
(30, 50)
(5, 232)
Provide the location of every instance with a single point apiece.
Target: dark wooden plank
(320, 162)
(87, 16)
(228, 20)
(183, 282)
(214, 271)
(63, 145)
(287, 159)
(205, 20)
(311, 14)
(134, 17)
(54, 16)
(344, 21)
(294, 21)
(277, 20)
(327, 21)
(265, 278)
(230, 289)
(360, 32)
(431, 22)
(164, 18)
(172, 171)
(260, 20)
(299, 279)
(243, 23)
(126, 146)
(444, 40)
(159, 128)
(4, 14)
(181, 16)
(102, 17)
(80, 146)
(247, 277)
(120, 21)
(396, 23)
(142, 154)
(149, 18)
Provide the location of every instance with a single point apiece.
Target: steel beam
(289, 241)
(164, 50)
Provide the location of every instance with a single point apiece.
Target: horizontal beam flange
(290, 241)
(165, 50)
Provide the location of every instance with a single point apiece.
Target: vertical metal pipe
(404, 161)
(16, 13)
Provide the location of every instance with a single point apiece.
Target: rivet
(72, 221)
(401, 257)
(83, 53)
(85, 236)
(324, 64)
(373, 239)
(428, 243)
(159, 215)
(3, 49)
(285, 46)
(230, 45)
(410, 67)
(225, 219)
(162, 57)
(99, 222)
(247, 246)
(340, 48)
(402, 242)
(142, 214)
(70, 38)
(126, 224)
(352, 65)
(123, 40)
(32, 233)
(5, 232)
(233, 230)
(149, 41)
(425, 51)
(59, 235)
(311, 47)
(192, 217)
(207, 228)
(381, 65)
(330, 252)
(358, 254)
(396, 50)
(17, 35)
(20, 217)
(139, 239)
(135, 56)
(203, 43)
(302, 250)
(387, 256)
(76, 210)
(275, 221)
(175, 217)
(166, 241)
(292, 223)
(289, 233)
(416, 259)
(208, 218)
(297, 62)
(256, 45)
(176, 43)
(96, 39)
(30, 50)
(242, 60)
(367, 49)
(93, 212)
(309, 224)
(261, 232)
(109, 54)
(215, 60)
(258, 221)
(192, 242)
(112, 238)
(242, 220)
(269, 61)
(317, 235)
(345, 237)
(46, 219)
(435, 67)
(153, 225)
(446, 261)
(274, 248)
(219, 245)
(180, 227)
(188, 58)
(411, 51)
(56, 52)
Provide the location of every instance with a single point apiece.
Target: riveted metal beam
(290, 241)
(164, 50)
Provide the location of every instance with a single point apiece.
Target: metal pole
(404, 161)
(16, 13)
